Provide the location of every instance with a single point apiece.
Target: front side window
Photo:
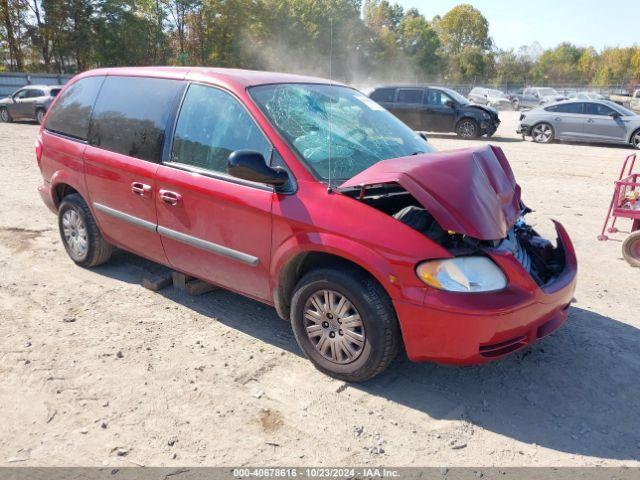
(71, 112)
(212, 124)
(131, 115)
(437, 98)
(406, 95)
(338, 126)
(598, 109)
(21, 94)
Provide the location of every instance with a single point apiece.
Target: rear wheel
(5, 116)
(631, 249)
(345, 323)
(542, 133)
(80, 234)
(515, 104)
(40, 115)
(468, 128)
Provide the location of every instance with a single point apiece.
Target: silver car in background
(489, 96)
(597, 121)
(30, 102)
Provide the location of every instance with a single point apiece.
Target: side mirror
(615, 114)
(450, 104)
(250, 165)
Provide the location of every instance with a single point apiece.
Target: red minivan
(308, 196)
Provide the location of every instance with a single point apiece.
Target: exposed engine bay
(537, 255)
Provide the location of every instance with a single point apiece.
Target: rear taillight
(38, 146)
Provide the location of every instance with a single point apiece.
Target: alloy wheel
(75, 235)
(40, 116)
(636, 140)
(334, 326)
(4, 115)
(542, 133)
(467, 129)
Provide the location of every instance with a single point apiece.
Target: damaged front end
(468, 202)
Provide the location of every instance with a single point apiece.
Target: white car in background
(489, 96)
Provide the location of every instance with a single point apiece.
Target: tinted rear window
(131, 114)
(566, 108)
(384, 95)
(409, 96)
(71, 112)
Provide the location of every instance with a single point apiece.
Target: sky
(513, 23)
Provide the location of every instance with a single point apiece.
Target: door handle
(170, 198)
(558, 119)
(140, 189)
(591, 120)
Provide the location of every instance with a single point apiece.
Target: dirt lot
(96, 370)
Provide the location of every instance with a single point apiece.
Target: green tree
(420, 42)
(464, 27)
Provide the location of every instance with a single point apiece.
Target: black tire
(515, 104)
(468, 128)
(635, 139)
(371, 302)
(543, 138)
(40, 113)
(631, 249)
(97, 250)
(5, 116)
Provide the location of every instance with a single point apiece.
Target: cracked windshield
(325, 122)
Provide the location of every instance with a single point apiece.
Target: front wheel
(542, 133)
(516, 105)
(635, 139)
(5, 116)
(345, 323)
(468, 128)
(80, 234)
(631, 249)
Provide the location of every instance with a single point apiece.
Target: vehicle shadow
(577, 391)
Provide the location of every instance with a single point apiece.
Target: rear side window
(35, 93)
(54, 92)
(569, 108)
(409, 96)
(384, 95)
(213, 124)
(131, 114)
(71, 113)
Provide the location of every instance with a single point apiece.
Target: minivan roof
(224, 76)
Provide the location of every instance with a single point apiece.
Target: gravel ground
(96, 370)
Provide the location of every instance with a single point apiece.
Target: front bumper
(488, 127)
(467, 329)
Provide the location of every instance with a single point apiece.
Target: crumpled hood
(486, 108)
(470, 191)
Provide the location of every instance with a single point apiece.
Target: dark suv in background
(28, 103)
(437, 109)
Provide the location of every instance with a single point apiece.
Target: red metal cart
(626, 204)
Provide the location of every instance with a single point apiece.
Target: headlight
(462, 274)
